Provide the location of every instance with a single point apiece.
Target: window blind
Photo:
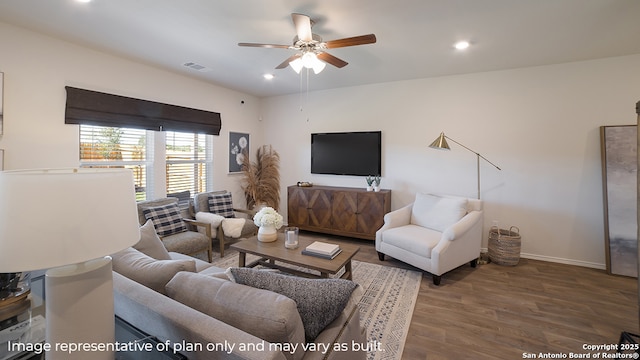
(101, 109)
(109, 147)
(187, 162)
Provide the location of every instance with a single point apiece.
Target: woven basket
(504, 246)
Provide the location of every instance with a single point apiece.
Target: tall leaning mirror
(1, 101)
(638, 199)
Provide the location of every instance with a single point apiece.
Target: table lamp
(68, 221)
(441, 144)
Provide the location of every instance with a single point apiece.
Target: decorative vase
(376, 188)
(369, 188)
(267, 233)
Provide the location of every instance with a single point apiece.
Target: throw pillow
(264, 314)
(222, 205)
(437, 212)
(150, 244)
(166, 219)
(319, 301)
(152, 273)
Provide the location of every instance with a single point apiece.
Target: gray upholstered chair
(436, 233)
(216, 208)
(177, 232)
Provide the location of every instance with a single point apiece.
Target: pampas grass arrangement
(262, 178)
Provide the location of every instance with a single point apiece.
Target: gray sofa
(158, 314)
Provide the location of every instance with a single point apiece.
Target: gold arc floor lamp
(441, 144)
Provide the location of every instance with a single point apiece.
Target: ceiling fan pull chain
(306, 100)
(300, 92)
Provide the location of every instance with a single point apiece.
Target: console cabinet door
(358, 212)
(308, 207)
(371, 209)
(319, 208)
(345, 211)
(297, 205)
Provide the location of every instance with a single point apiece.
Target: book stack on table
(322, 250)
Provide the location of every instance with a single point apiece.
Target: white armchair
(436, 233)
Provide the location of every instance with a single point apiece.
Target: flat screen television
(347, 153)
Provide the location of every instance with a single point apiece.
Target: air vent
(196, 67)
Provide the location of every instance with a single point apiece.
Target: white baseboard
(561, 260)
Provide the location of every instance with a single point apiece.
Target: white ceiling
(415, 37)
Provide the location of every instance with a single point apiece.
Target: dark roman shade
(96, 108)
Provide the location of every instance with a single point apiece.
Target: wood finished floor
(501, 312)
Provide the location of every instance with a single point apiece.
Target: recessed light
(83, 1)
(461, 45)
(268, 76)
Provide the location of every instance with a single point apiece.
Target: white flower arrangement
(268, 216)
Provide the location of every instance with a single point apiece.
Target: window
(187, 162)
(110, 147)
(186, 158)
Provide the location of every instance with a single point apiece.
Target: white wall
(36, 70)
(540, 125)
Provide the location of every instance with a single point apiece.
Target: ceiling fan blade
(264, 45)
(303, 26)
(285, 63)
(328, 58)
(352, 41)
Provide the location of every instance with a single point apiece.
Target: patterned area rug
(385, 308)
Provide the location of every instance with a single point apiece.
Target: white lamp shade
(296, 65)
(318, 66)
(50, 218)
(309, 59)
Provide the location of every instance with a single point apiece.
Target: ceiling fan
(311, 48)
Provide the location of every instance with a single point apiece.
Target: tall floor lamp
(69, 221)
(441, 144)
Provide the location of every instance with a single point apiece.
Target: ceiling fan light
(309, 59)
(318, 66)
(296, 65)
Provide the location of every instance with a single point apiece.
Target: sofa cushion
(413, 238)
(319, 301)
(265, 314)
(150, 244)
(166, 219)
(201, 265)
(221, 204)
(215, 271)
(436, 212)
(143, 269)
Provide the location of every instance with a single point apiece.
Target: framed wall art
(619, 171)
(238, 145)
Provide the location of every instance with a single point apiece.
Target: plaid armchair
(177, 232)
(225, 227)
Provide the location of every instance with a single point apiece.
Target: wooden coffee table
(273, 252)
